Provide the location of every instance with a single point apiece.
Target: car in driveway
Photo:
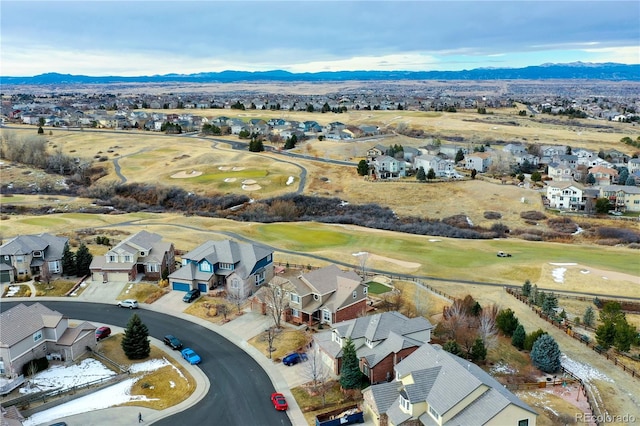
(172, 341)
(102, 332)
(191, 357)
(191, 295)
(294, 358)
(279, 401)
(128, 303)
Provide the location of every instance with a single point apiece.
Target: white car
(128, 303)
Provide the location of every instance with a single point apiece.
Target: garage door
(5, 277)
(122, 277)
(181, 286)
(202, 287)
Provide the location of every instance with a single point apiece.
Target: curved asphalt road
(240, 388)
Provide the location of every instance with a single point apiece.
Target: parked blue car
(192, 357)
(294, 358)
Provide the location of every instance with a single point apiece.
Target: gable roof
(328, 279)
(52, 245)
(227, 251)
(22, 321)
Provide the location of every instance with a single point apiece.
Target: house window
(142, 253)
(37, 253)
(295, 313)
(127, 258)
(260, 277)
(336, 338)
(205, 267)
(235, 283)
(152, 267)
(368, 342)
(355, 294)
(295, 298)
(524, 422)
(326, 315)
(19, 259)
(434, 413)
(228, 266)
(365, 291)
(404, 403)
(37, 336)
(316, 297)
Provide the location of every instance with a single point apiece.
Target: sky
(130, 38)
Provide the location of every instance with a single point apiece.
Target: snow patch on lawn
(583, 371)
(290, 180)
(558, 274)
(61, 377)
(502, 368)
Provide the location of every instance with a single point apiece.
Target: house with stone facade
(26, 256)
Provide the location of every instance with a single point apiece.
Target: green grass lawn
(377, 288)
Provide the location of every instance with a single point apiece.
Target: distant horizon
(171, 74)
(156, 37)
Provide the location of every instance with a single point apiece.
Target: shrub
(492, 215)
(533, 215)
(34, 366)
(531, 237)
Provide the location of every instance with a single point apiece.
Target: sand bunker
(249, 182)
(224, 168)
(237, 169)
(183, 175)
(251, 187)
(230, 179)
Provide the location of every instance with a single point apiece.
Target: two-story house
(27, 256)
(141, 253)
(238, 267)
(386, 167)
(326, 295)
(622, 197)
(604, 175)
(566, 196)
(434, 387)
(381, 342)
(480, 161)
(440, 166)
(35, 331)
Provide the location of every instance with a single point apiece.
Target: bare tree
(236, 296)
(487, 330)
(362, 256)
(276, 298)
(318, 373)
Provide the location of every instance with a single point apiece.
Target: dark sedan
(172, 341)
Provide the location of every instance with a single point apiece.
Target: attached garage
(121, 277)
(181, 286)
(203, 287)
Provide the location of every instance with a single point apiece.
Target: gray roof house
(35, 331)
(141, 253)
(434, 387)
(30, 255)
(238, 267)
(381, 342)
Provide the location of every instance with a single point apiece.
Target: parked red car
(102, 332)
(279, 402)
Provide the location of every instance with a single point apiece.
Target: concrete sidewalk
(238, 332)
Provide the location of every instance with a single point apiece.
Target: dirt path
(616, 397)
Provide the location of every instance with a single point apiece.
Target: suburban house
(440, 166)
(434, 387)
(622, 197)
(326, 295)
(604, 175)
(35, 331)
(143, 253)
(27, 256)
(480, 161)
(238, 267)
(560, 172)
(566, 196)
(633, 165)
(386, 167)
(381, 342)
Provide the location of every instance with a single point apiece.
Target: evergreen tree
(40, 131)
(606, 335)
(589, 316)
(625, 336)
(83, 261)
(506, 322)
(545, 354)
(549, 304)
(431, 174)
(350, 374)
(68, 261)
(631, 181)
(363, 168)
(135, 342)
(526, 288)
(519, 336)
(459, 156)
(421, 175)
(478, 351)
(591, 179)
(453, 347)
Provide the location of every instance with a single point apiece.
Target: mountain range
(568, 71)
